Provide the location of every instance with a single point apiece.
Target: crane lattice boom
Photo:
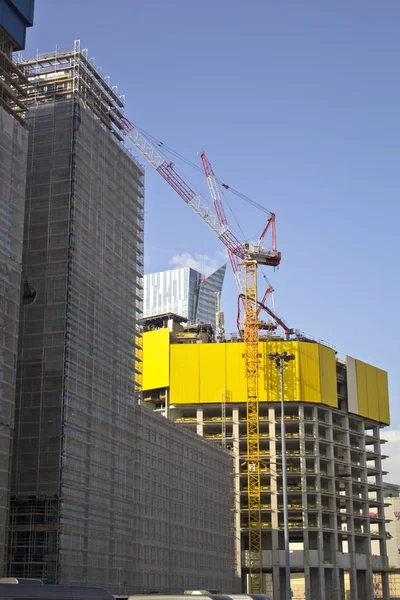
(168, 172)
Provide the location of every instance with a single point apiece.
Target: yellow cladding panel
(328, 378)
(372, 392)
(310, 382)
(212, 372)
(310, 377)
(185, 374)
(235, 375)
(269, 378)
(156, 359)
(362, 388)
(207, 373)
(383, 388)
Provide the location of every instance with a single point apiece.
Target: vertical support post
(285, 486)
(166, 411)
(223, 419)
(253, 427)
(281, 361)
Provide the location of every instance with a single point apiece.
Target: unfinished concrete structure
(13, 155)
(102, 492)
(334, 411)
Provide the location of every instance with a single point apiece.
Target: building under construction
(334, 410)
(15, 17)
(103, 492)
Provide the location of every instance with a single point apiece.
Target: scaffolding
(12, 79)
(156, 513)
(61, 76)
(104, 492)
(13, 154)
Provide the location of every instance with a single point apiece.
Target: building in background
(392, 514)
(15, 17)
(391, 490)
(184, 292)
(334, 411)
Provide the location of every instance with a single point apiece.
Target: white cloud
(391, 435)
(392, 450)
(203, 263)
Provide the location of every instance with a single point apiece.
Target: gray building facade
(184, 292)
(82, 287)
(102, 492)
(13, 156)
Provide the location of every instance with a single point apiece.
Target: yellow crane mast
(244, 259)
(250, 331)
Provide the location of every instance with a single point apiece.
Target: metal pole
(288, 594)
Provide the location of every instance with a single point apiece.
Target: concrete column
(274, 505)
(200, 422)
(273, 469)
(235, 443)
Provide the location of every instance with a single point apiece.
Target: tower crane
(251, 256)
(244, 258)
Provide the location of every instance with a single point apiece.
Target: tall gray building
(14, 18)
(82, 280)
(184, 292)
(102, 493)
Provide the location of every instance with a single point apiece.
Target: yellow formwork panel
(362, 389)
(235, 373)
(310, 379)
(185, 374)
(269, 377)
(212, 372)
(328, 378)
(156, 359)
(372, 393)
(383, 387)
(207, 373)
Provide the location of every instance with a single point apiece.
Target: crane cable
(197, 168)
(164, 149)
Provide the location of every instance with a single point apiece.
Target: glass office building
(184, 292)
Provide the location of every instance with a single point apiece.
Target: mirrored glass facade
(184, 292)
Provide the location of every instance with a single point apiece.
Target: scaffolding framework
(13, 155)
(12, 93)
(60, 76)
(104, 492)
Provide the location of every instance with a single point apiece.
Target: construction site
(302, 425)
(262, 472)
(333, 448)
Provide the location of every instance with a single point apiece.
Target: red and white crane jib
(168, 172)
(234, 257)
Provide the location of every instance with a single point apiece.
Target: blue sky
(297, 104)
